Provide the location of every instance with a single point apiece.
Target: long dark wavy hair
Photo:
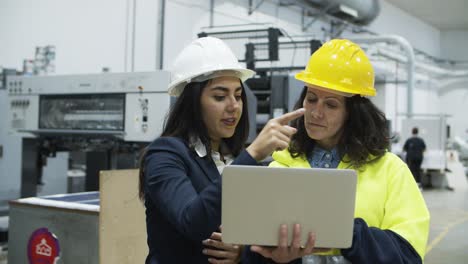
(184, 120)
(365, 134)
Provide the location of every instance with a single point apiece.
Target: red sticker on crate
(43, 247)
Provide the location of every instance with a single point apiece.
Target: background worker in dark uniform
(414, 147)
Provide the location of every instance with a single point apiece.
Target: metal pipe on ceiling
(434, 69)
(445, 87)
(160, 35)
(357, 12)
(132, 61)
(408, 49)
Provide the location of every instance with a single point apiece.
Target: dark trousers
(414, 164)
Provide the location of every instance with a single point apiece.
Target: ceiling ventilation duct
(359, 12)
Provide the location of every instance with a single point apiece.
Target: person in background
(343, 129)
(205, 130)
(414, 148)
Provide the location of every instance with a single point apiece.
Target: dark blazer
(182, 199)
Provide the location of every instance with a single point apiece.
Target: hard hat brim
(176, 88)
(305, 77)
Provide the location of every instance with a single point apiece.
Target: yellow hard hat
(342, 66)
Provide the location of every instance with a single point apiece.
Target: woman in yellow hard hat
(342, 128)
(205, 130)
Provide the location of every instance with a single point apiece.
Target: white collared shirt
(216, 156)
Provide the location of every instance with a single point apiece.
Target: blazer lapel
(208, 167)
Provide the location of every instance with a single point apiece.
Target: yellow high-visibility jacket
(387, 198)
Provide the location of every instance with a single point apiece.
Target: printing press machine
(110, 117)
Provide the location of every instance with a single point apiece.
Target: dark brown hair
(185, 121)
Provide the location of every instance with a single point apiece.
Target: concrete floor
(448, 237)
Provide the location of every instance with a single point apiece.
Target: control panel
(131, 106)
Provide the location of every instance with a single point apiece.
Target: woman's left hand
(219, 252)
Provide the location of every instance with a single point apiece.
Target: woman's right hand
(285, 253)
(276, 135)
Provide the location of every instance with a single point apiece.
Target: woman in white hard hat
(205, 130)
(341, 128)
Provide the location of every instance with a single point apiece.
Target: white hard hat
(203, 59)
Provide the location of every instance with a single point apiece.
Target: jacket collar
(201, 151)
(198, 146)
(201, 157)
(285, 157)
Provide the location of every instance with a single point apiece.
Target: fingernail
(204, 251)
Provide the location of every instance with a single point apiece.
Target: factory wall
(453, 99)
(453, 45)
(393, 20)
(454, 93)
(90, 35)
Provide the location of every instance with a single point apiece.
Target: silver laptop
(257, 200)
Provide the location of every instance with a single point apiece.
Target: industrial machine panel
(24, 112)
(128, 106)
(144, 115)
(82, 112)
